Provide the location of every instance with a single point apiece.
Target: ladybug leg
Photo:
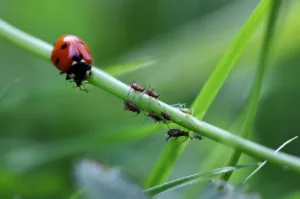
(80, 87)
(62, 73)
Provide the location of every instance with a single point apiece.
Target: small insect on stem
(187, 111)
(182, 108)
(197, 136)
(155, 117)
(137, 87)
(176, 133)
(131, 107)
(150, 91)
(166, 117)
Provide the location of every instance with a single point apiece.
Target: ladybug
(72, 56)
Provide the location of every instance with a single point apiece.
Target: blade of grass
(188, 180)
(265, 162)
(77, 194)
(117, 88)
(166, 162)
(253, 98)
(125, 68)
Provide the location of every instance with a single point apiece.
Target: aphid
(176, 133)
(72, 56)
(131, 107)
(197, 136)
(166, 117)
(137, 87)
(187, 111)
(182, 108)
(149, 91)
(155, 117)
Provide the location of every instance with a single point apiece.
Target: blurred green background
(45, 124)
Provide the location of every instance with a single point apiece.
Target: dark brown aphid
(137, 87)
(176, 133)
(165, 116)
(197, 136)
(131, 107)
(149, 91)
(155, 117)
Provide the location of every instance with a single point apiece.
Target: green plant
(202, 103)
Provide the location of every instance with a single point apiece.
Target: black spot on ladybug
(63, 46)
(80, 42)
(57, 61)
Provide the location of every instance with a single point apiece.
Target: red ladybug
(72, 56)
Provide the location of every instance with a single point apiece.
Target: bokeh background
(46, 124)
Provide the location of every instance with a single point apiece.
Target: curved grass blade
(77, 194)
(169, 156)
(265, 162)
(220, 73)
(125, 68)
(194, 179)
(254, 96)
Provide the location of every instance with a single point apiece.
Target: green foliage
(189, 180)
(212, 86)
(45, 124)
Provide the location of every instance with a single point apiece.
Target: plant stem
(24, 40)
(121, 90)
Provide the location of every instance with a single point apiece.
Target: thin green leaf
(253, 98)
(265, 162)
(125, 68)
(77, 194)
(194, 179)
(169, 156)
(219, 75)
